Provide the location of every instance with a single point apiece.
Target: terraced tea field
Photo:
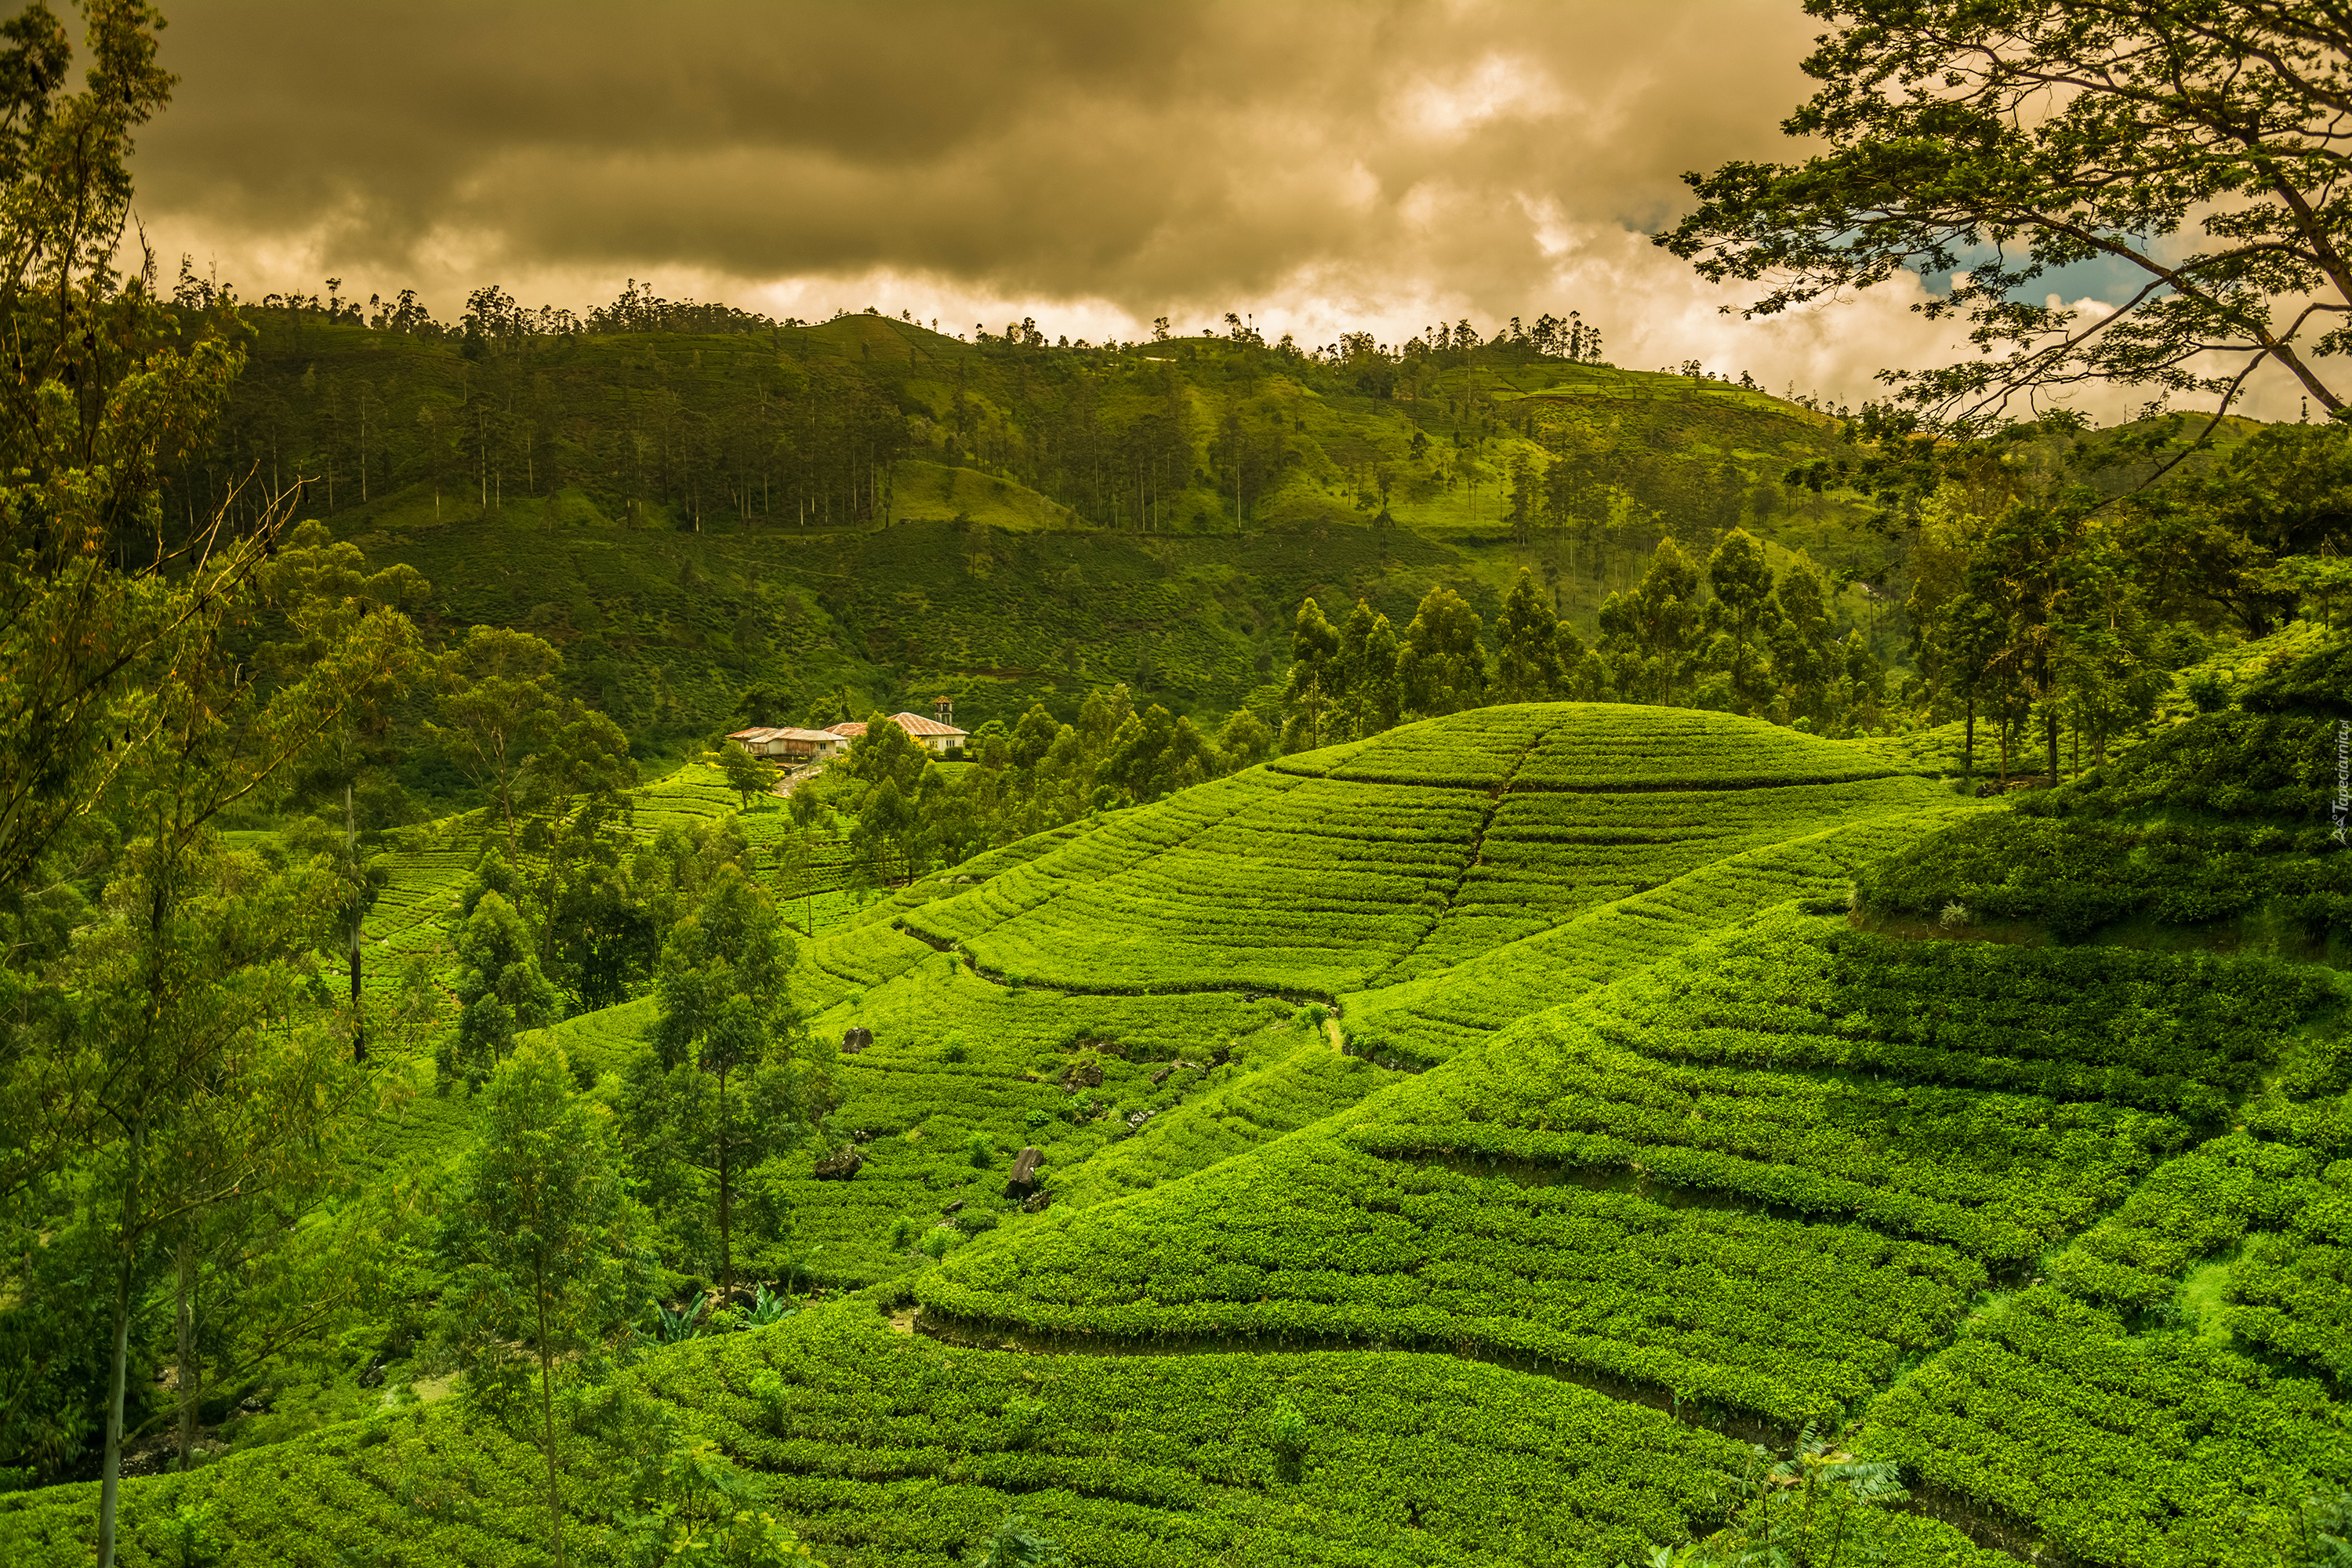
(1455, 1149)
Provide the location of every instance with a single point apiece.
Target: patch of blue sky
(2104, 277)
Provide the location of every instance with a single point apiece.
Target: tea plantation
(1459, 1147)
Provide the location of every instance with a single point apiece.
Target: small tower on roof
(944, 709)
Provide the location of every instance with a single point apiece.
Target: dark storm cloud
(1380, 164)
(1128, 152)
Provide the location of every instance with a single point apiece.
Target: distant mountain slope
(870, 506)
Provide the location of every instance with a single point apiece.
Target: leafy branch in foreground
(1821, 1508)
(1999, 140)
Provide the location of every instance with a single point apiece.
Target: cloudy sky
(1319, 166)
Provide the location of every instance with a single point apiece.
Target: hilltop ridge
(870, 511)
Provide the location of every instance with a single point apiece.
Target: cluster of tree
(177, 1085)
(2056, 610)
(549, 1252)
(1752, 645)
(516, 404)
(188, 1088)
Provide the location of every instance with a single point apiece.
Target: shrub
(2209, 690)
(1286, 1434)
(1015, 1545)
(1025, 1421)
(980, 1151)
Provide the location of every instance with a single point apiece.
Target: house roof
(760, 735)
(917, 725)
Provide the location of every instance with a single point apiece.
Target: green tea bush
(2137, 1449)
(2224, 818)
(1287, 1436)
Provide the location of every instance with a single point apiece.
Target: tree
(686, 1505)
(1648, 636)
(2052, 572)
(1306, 691)
(497, 708)
(97, 585)
(1803, 641)
(1742, 583)
(746, 775)
(539, 1237)
(1524, 498)
(165, 1019)
(1376, 683)
(1956, 620)
(2214, 541)
(1155, 754)
(727, 1014)
(1442, 668)
(500, 990)
(595, 937)
(1996, 139)
(157, 1049)
(202, 1090)
(796, 853)
(1528, 651)
(886, 751)
(1244, 741)
(1365, 679)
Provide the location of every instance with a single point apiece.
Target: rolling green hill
(756, 523)
(1499, 1094)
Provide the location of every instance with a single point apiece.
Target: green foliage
(1537, 1196)
(746, 775)
(539, 1238)
(730, 1077)
(2226, 818)
(1648, 636)
(1532, 664)
(1013, 1545)
(1287, 1434)
(500, 991)
(2327, 1531)
(1441, 666)
(1815, 1509)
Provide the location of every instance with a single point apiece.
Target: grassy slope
(959, 1052)
(1657, 1146)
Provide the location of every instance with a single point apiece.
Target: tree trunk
(2050, 725)
(1968, 748)
(188, 1375)
(547, 1415)
(109, 1486)
(725, 1198)
(358, 914)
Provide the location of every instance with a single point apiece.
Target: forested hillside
(758, 521)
